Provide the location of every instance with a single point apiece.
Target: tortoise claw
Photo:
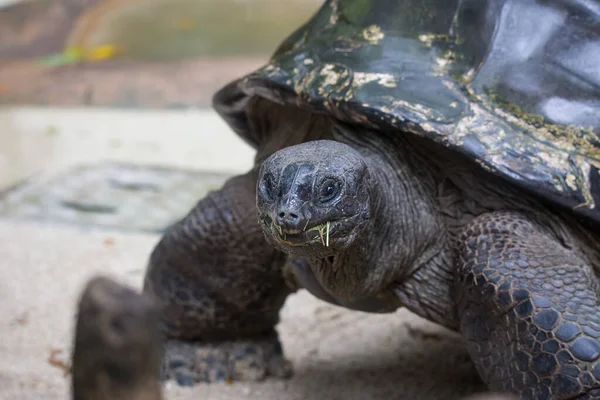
(189, 363)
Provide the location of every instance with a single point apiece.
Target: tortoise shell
(512, 84)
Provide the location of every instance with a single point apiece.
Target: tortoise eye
(330, 189)
(267, 187)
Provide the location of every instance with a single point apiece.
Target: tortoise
(437, 155)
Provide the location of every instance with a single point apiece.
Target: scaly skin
(528, 309)
(221, 287)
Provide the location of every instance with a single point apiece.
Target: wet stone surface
(115, 196)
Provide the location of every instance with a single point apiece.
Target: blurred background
(89, 84)
(136, 53)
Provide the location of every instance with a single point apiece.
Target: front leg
(528, 308)
(220, 286)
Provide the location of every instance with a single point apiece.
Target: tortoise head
(313, 199)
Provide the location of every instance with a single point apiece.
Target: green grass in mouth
(323, 230)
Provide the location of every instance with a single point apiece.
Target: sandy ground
(336, 353)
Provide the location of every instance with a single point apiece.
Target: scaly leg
(221, 288)
(528, 307)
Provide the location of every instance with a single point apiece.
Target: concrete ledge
(38, 142)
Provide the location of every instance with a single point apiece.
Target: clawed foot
(245, 360)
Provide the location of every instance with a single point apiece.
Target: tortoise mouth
(316, 234)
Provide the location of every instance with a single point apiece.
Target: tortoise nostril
(288, 215)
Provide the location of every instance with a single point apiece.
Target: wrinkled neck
(406, 226)
(403, 232)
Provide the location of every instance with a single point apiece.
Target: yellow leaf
(103, 52)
